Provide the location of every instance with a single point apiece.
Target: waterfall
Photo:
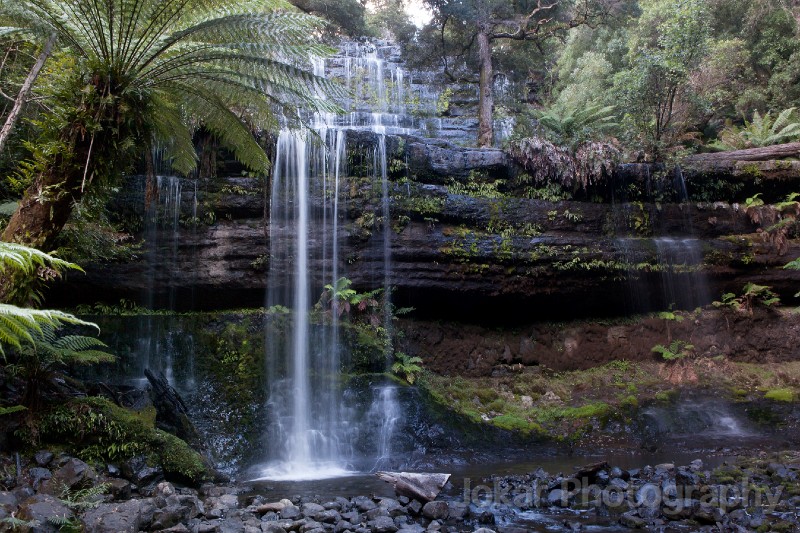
(312, 428)
(385, 410)
(157, 346)
(683, 284)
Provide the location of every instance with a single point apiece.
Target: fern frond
(26, 260)
(19, 326)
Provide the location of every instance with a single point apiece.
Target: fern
(21, 326)
(83, 499)
(11, 410)
(763, 130)
(571, 126)
(407, 367)
(677, 350)
(17, 524)
(226, 65)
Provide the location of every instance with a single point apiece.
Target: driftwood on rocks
(171, 413)
(423, 487)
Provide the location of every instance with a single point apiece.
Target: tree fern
(190, 58)
(763, 130)
(572, 125)
(149, 72)
(26, 260)
(32, 338)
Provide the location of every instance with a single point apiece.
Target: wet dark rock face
(507, 260)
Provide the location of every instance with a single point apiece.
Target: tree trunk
(47, 203)
(19, 102)
(485, 98)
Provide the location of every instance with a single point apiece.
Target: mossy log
(777, 162)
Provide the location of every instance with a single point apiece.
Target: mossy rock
(96, 430)
(780, 395)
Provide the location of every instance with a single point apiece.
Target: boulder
(74, 474)
(43, 457)
(46, 510)
(424, 487)
(435, 510)
(139, 472)
(125, 517)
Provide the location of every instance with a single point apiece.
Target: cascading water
(386, 410)
(683, 283)
(156, 348)
(312, 429)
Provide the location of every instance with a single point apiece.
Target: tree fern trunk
(47, 203)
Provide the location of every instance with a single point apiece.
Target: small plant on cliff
(752, 295)
(668, 317)
(407, 367)
(676, 350)
(573, 125)
(341, 299)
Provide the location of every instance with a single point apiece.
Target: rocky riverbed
(55, 492)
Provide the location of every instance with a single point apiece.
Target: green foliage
(571, 126)
(752, 295)
(22, 328)
(665, 45)
(476, 189)
(11, 410)
(147, 72)
(753, 201)
(407, 367)
(340, 299)
(82, 499)
(592, 163)
(28, 267)
(346, 16)
(762, 131)
(677, 350)
(670, 315)
(95, 429)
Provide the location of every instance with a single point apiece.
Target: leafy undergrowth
(538, 402)
(99, 431)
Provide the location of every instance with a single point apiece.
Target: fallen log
(423, 487)
(767, 163)
(767, 153)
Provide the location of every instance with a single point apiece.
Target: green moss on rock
(96, 430)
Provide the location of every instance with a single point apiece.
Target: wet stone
(632, 521)
(435, 510)
(310, 509)
(414, 507)
(327, 517)
(364, 504)
(38, 475)
(43, 457)
(458, 510)
(372, 514)
(382, 524)
(290, 512)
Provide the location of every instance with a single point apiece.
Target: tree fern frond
(171, 131)
(77, 343)
(228, 127)
(27, 260)
(783, 120)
